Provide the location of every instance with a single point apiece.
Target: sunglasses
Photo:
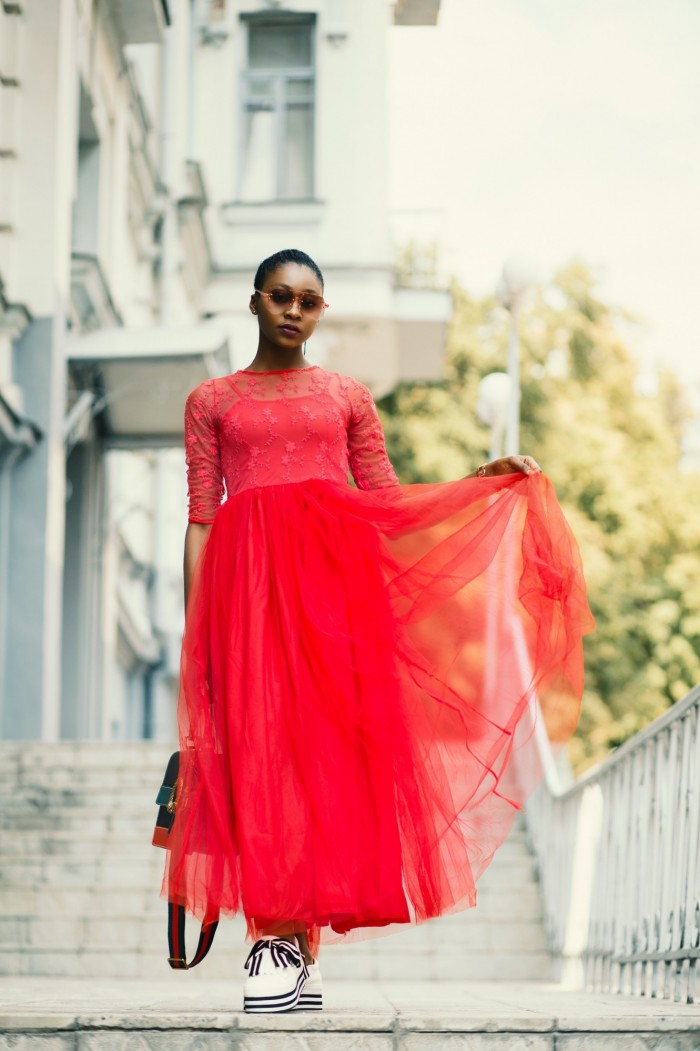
(282, 298)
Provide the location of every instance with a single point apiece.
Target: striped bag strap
(166, 801)
(176, 939)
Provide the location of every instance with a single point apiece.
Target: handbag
(166, 800)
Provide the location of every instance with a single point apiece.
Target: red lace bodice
(263, 428)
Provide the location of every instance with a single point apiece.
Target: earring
(304, 348)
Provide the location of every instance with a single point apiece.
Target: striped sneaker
(277, 974)
(311, 998)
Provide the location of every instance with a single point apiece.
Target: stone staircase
(83, 945)
(79, 885)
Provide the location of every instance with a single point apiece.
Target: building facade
(151, 153)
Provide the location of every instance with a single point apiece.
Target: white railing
(619, 859)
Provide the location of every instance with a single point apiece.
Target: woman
(362, 668)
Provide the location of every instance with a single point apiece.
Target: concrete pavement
(177, 1014)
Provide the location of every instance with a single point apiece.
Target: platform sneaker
(277, 974)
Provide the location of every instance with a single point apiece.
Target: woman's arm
(369, 464)
(195, 539)
(205, 484)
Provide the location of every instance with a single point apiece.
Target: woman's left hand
(509, 465)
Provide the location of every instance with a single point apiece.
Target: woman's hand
(508, 465)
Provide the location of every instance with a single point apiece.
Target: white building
(151, 153)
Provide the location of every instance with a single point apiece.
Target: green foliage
(612, 455)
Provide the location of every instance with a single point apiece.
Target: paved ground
(74, 1013)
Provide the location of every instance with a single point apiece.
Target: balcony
(91, 305)
(141, 377)
(196, 250)
(141, 21)
(416, 12)
(422, 315)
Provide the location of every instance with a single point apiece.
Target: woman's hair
(287, 255)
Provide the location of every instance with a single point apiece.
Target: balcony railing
(619, 861)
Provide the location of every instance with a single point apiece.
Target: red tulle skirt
(362, 678)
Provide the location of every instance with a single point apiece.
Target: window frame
(280, 77)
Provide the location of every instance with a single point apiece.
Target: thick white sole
(311, 998)
(267, 1004)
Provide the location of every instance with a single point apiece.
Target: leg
(303, 943)
(301, 938)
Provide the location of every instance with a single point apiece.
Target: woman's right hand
(508, 465)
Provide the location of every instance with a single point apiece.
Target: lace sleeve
(205, 487)
(369, 463)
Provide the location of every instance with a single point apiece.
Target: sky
(546, 130)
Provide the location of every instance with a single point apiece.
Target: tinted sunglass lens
(281, 298)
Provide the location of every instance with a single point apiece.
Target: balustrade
(619, 859)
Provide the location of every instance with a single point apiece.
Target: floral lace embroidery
(254, 429)
(204, 476)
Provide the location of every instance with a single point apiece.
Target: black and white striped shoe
(277, 974)
(311, 998)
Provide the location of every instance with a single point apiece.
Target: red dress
(362, 668)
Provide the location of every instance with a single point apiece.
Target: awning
(141, 376)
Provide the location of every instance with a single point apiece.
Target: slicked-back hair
(287, 255)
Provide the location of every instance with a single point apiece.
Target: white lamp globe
(493, 398)
(517, 277)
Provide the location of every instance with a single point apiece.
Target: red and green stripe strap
(176, 939)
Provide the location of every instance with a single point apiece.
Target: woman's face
(288, 325)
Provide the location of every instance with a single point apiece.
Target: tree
(612, 455)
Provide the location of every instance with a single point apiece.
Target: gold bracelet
(481, 470)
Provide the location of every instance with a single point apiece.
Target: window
(86, 206)
(278, 110)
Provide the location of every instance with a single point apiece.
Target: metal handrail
(619, 859)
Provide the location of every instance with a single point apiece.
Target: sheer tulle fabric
(362, 677)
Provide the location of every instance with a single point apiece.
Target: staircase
(80, 881)
(83, 944)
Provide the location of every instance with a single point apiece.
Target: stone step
(29, 842)
(85, 753)
(76, 821)
(137, 869)
(105, 797)
(65, 775)
(175, 1013)
(507, 902)
(469, 931)
(89, 821)
(43, 843)
(117, 815)
(429, 965)
(78, 873)
(75, 775)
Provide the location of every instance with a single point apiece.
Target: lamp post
(515, 281)
(492, 403)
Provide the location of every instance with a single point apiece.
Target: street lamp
(492, 403)
(515, 281)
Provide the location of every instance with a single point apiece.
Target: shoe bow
(282, 953)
